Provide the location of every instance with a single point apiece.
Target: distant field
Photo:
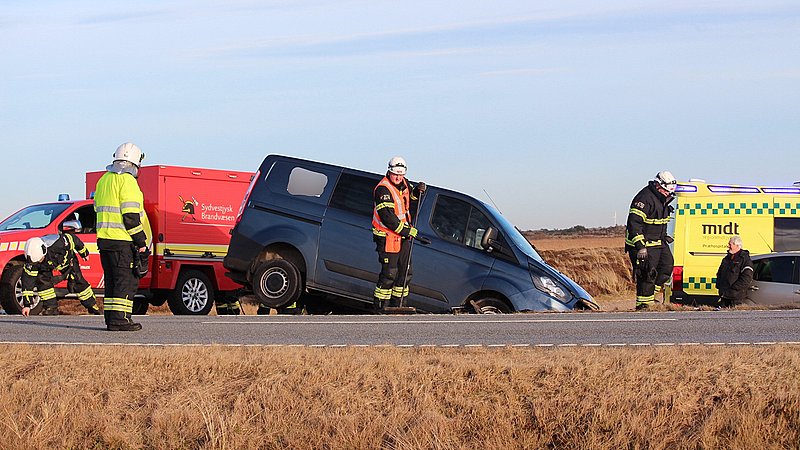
(123, 397)
(564, 243)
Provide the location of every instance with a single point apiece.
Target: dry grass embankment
(221, 398)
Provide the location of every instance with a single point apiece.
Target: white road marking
(404, 346)
(267, 321)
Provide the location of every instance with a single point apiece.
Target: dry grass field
(93, 397)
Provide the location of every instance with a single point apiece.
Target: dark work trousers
(659, 262)
(394, 278)
(120, 282)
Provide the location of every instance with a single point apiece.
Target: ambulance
(191, 212)
(707, 215)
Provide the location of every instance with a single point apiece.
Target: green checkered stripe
(700, 283)
(719, 208)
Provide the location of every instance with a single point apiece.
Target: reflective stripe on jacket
(118, 194)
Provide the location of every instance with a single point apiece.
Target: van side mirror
(489, 240)
(71, 226)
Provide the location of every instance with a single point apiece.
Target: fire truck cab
(191, 211)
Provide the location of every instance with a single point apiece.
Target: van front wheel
(491, 306)
(276, 283)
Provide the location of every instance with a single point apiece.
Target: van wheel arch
(489, 303)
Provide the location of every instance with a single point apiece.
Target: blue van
(305, 227)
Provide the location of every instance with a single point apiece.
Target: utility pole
(615, 218)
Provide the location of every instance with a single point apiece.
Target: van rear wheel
(491, 306)
(277, 283)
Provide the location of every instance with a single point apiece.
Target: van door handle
(753, 288)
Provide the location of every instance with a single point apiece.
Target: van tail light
(677, 278)
(246, 198)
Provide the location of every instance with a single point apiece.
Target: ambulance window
(776, 270)
(787, 234)
(354, 193)
(306, 182)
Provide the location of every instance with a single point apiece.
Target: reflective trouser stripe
(383, 294)
(645, 300)
(86, 293)
(47, 294)
(118, 304)
(399, 291)
(234, 306)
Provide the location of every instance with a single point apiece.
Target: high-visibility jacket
(648, 219)
(399, 201)
(119, 204)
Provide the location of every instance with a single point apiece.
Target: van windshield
(33, 217)
(511, 232)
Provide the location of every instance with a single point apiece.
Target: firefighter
(646, 239)
(734, 275)
(227, 304)
(122, 233)
(392, 232)
(41, 259)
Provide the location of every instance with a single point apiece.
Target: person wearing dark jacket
(43, 257)
(646, 239)
(735, 274)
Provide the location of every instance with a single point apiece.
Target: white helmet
(397, 165)
(35, 249)
(129, 152)
(666, 180)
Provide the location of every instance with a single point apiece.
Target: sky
(557, 112)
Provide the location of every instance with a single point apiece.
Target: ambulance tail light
(246, 198)
(677, 278)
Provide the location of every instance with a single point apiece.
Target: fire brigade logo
(188, 208)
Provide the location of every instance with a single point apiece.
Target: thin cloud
(128, 16)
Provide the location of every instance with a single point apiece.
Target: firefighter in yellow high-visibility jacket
(122, 233)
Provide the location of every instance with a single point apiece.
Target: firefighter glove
(412, 232)
(421, 187)
(641, 255)
(141, 262)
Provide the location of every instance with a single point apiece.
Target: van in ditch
(707, 215)
(305, 227)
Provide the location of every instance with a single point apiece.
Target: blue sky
(560, 111)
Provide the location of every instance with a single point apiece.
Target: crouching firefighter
(392, 232)
(646, 239)
(45, 255)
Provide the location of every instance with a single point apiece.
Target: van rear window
(787, 234)
(307, 183)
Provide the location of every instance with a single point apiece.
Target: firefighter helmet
(35, 249)
(129, 152)
(666, 180)
(397, 165)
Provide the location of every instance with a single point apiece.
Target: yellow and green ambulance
(707, 215)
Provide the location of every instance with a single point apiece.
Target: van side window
(776, 270)
(458, 221)
(354, 193)
(306, 182)
(88, 219)
(787, 234)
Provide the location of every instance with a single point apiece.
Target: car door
(775, 281)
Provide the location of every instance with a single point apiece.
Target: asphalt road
(547, 329)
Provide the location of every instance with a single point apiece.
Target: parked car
(776, 279)
(305, 226)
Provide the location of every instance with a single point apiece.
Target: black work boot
(93, 310)
(263, 310)
(377, 305)
(130, 326)
(50, 311)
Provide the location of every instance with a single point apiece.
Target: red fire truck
(191, 212)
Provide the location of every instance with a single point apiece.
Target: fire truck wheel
(140, 307)
(193, 294)
(490, 305)
(276, 283)
(11, 291)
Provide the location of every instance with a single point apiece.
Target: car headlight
(546, 284)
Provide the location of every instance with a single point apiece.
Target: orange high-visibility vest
(401, 202)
